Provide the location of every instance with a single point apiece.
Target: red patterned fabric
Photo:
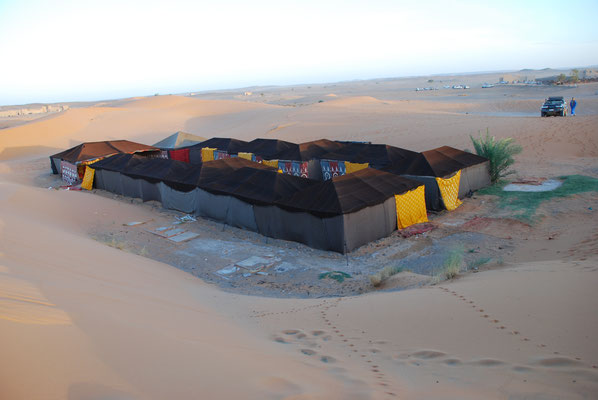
(334, 168)
(179, 155)
(304, 173)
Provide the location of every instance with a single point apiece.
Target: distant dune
(82, 319)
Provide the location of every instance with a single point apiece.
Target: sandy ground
(80, 319)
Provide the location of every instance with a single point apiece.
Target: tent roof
(259, 186)
(273, 149)
(442, 161)
(377, 155)
(315, 149)
(348, 193)
(177, 174)
(178, 140)
(118, 162)
(463, 157)
(232, 146)
(92, 150)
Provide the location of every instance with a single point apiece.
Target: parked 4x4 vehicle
(554, 106)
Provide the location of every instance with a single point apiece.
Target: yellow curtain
(449, 189)
(354, 167)
(411, 207)
(88, 178)
(271, 163)
(247, 156)
(207, 154)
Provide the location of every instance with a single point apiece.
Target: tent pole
(346, 252)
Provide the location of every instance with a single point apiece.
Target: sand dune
(81, 319)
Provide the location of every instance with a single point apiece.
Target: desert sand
(83, 320)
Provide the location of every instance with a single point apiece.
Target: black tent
(72, 162)
(340, 214)
(378, 156)
(273, 149)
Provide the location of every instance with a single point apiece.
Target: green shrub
(499, 152)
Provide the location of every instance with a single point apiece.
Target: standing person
(572, 105)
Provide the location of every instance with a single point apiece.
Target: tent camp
(70, 164)
(178, 140)
(347, 206)
(338, 215)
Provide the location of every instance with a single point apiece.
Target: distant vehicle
(487, 85)
(418, 89)
(555, 106)
(465, 87)
(447, 86)
(457, 87)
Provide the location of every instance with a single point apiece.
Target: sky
(53, 51)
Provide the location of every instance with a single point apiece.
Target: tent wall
(319, 233)
(369, 224)
(195, 155)
(474, 178)
(150, 191)
(227, 209)
(131, 187)
(314, 170)
(433, 197)
(110, 180)
(55, 164)
(176, 200)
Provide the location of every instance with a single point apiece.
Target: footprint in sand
(307, 352)
(291, 332)
(558, 362)
(327, 359)
(488, 362)
(428, 354)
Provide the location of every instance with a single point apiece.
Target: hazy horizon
(86, 51)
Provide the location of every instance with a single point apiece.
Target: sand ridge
(81, 319)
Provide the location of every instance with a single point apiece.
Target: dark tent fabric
(475, 173)
(178, 175)
(434, 200)
(317, 148)
(231, 146)
(378, 156)
(348, 193)
(464, 157)
(259, 186)
(445, 161)
(92, 150)
(273, 149)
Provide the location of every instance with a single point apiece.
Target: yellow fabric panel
(89, 162)
(449, 189)
(354, 167)
(247, 156)
(88, 178)
(411, 207)
(207, 154)
(271, 163)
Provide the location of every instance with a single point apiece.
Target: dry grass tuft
(384, 274)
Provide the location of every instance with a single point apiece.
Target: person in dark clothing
(572, 105)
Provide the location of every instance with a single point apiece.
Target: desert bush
(451, 267)
(384, 274)
(499, 152)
